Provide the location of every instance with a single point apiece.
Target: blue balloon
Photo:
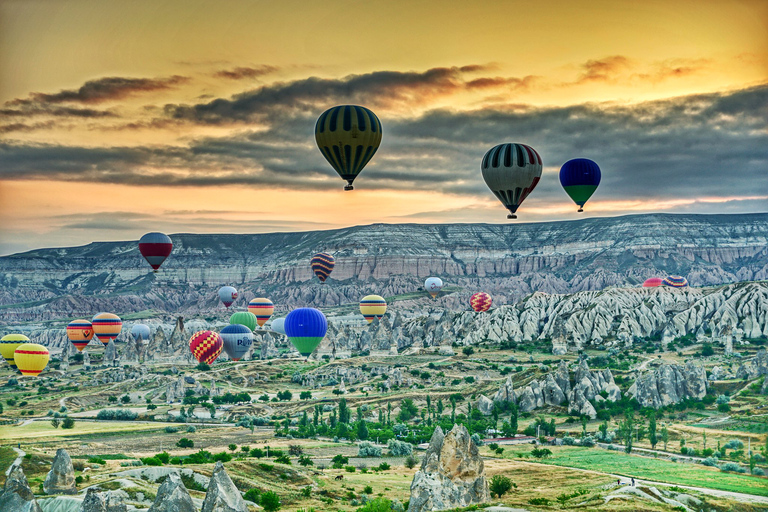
(140, 330)
(237, 340)
(306, 327)
(580, 178)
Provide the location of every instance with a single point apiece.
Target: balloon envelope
(675, 281)
(433, 285)
(31, 359)
(245, 318)
(237, 340)
(306, 327)
(206, 346)
(511, 171)
(80, 333)
(652, 282)
(373, 306)
(8, 345)
(348, 137)
(228, 295)
(106, 326)
(155, 247)
(140, 330)
(262, 308)
(322, 265)
(580, 178)
(278, 325)
(480, 302)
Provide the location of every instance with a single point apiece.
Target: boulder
(172, 496)
(485, 405)
(614, 393)
(222, 495)
(506, 392)
(553, 394)
(109, 501)
(17, 496)
(578, 404)
(527, 401)
(61, 477)
(452, 473)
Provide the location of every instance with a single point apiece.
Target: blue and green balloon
(580, 178)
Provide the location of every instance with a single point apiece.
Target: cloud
(104, 89)
(603, 70)
(38, 109)
(240, 73)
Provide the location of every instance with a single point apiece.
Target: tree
(500, 485)
(584, 420)
(627, 429)
(232, 447)
(664, 436)
(453, 409)
(270, 501)
(411, 461)
(185, 443)
(125, 399)
(440, 407)
(652, 437)
(304, 460)
(68, 423)
(468, 351)
(344, 413)
(389, 415)
(407, 410)
(111, 399)
(513, 426)
(541, 453)
(55, 422)
(305, 395)
(362, 430)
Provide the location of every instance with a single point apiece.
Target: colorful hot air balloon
(580, 178)
(80, 333)
(31, 359)
(262, 308)
(228, 295)
(8, 345)
(348, 136)
(245, 318)
(278, 325)
(433, 285)
(322, 265)
(106, 326)
(140, 331)
(205, 346)
(511, 171)
(373, 306)
(675, 281)
(480, 302)
(652, 282)
(306, 327)
(237, 340)
(155, 247)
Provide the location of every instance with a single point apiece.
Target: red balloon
(480, 302)
(652, 282)
(206, 346)
(155, 247)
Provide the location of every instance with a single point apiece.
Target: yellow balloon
(373, 306)
(31, 359)
(9, 344)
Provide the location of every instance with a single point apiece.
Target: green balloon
(245, 318)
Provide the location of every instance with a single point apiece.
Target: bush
(399, 448)
(588, 441)
(543, 502)
(171, 430)
(499, 485)
(476, 439)
(202, 367)
(116, 414)
(758, 472)
(266, 467)
(222, 457)
(350, 469)
(734, 444)
(380, 504)
(163, 457)
(710, 461)
(270, 501)
(368, 449)
(384, 466)
(411, 461)
(732, 467)
(185, 443)
(569, 441)
(191, 429)
(68, 423)
(253, 495)
(722, 399)
(368, 489)
(151, 461)
(541, 453)
(79, 479)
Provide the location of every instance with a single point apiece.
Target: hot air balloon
(80, 333)
(278, 325)
(31, 359)
(140, 331)
(433, 285)
(348, 137)
(511, 171)
(228, 295)
(237, 340)
(106, 326)
(155, 247)
(652, 282)
(580, 178)
(480, 302)
(373, 306)
(8, 345)
(262, 308)
(675, 281)
(306, 327)
(322, 265)
(245, 318)
(205, 346)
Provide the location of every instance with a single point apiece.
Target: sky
(120, 118)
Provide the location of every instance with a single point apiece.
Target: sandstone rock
(172, 496)
(61, 477)
(452, 473)
(670, 384)
(485, 405)
(506, 392)
(527, 401)
(579, 404)
(17, 496)
(222, 495)
(553, 394)
(109, 501)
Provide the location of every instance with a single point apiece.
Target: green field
(43, 429)
(620, 463)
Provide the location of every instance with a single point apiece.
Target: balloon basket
(349, 187)
(581, 210)
(511, 216)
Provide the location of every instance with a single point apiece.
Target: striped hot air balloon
(580, 178)
(228, 295)
(106, 326)
(348, 137)
(31, 359)
(262, 308)
(511, 171)
(675, 281)
(652, 282)
(480, 302)
(322, 265)
(8, 345)
(206, 346)
(433, 285)
(237, 340)
(373, 306)
(155, 247)
(140, 331)
(80, 333)
(245, 318)
(306, 328)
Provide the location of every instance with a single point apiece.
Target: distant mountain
(509, 261)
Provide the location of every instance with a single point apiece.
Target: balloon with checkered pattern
(206, 346)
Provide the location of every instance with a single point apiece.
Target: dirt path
(21, 453)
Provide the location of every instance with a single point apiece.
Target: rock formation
(669, 384)
(172, 496)
(109, 501)
(506, 392)
(485, 405)
(452, 473)
(222, 495)
(17, 496)
(61, 477)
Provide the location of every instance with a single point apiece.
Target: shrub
(349, 469)
(722, 399)
(758, 471)
(588, 441)
(368, 449)
(732, 467)
(379, 504)
(191, 429)
(68, 423)
(399, 448)
(710, 461)
(383, 466)
(96, 460)
(411, 461)
(171, 430)
(340, 459)
(541, 453)
(734, 444)
(569, 441)
(476, 439)
(543, 502)
(151, 461)
(253, 495)
(499, 485)
(116, 414)
(270, 501)
(185, 443)
(493, 446)
(266, 467)
(202, 367)
(79, 479)
(163, 457)
(222, 457)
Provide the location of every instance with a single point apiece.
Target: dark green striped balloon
(348, 137)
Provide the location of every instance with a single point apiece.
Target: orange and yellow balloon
(262, 308)
(373, 306)
(8, 345)
(106, 326)
(31, 359)
(80, 333)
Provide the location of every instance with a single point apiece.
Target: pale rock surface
(61, 477)
(485, 405)
(172, 496)
(17, 496)
(222, 495)
(670, 384)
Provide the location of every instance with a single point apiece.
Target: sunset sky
(119, 118)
